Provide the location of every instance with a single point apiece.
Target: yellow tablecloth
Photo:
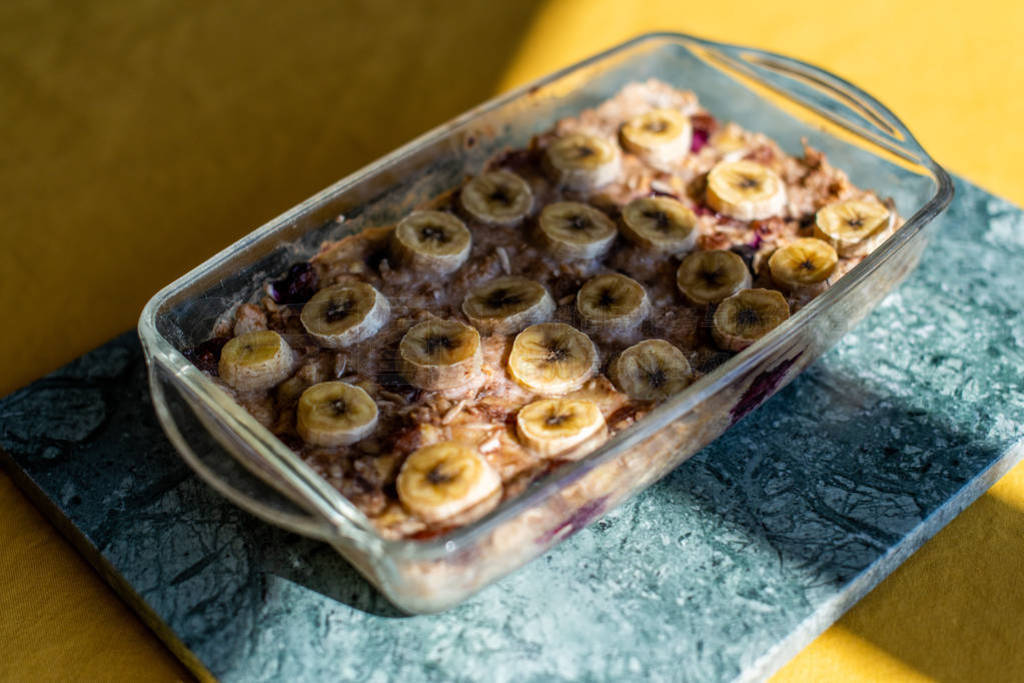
(141, 137)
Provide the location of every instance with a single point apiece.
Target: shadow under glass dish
(783, 98)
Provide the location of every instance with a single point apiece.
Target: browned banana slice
(552, 358)
(803, 266)
(343, 315)
(652, 370)
(576, 232)
(497, 197)
(613, 303)
(440, 354)
(745, 190)
(335, 414)
(854, 227)
(506, 305)
(432, 242)
(747, 316)
(446, 479)
(552, 426)
(660, 137)
(256, 361)
(707, 277)
(583, 162)
(660, 224)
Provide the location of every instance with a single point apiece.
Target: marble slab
(722, 571)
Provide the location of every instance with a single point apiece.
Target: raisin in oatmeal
(433, 368)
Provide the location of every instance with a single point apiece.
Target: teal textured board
(721, 571)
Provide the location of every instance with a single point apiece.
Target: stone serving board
(723, 570)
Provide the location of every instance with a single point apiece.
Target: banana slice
(660, 224)
(552, 358)
(506, 305)
(652, 370)
(613, 303)
(256, 361)
(335, 414)
(343, 315)
(440, 481)
(745, 190)
(707, 277)
(747, 316)
(583, 162)
(803, 266)
(659, 137)
(575, 231)
(497, 198)
(854, 227)
(555, 425)
(432, 241)
(440, 354)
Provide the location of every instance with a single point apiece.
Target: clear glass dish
(786, 99)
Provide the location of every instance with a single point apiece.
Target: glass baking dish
(786, 99)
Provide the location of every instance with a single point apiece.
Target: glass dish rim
(160, 350)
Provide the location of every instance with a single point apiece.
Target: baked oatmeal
(433, 368)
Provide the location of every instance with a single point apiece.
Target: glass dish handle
(828, 96)
(220, 470)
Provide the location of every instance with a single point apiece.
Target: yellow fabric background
(139, 137)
